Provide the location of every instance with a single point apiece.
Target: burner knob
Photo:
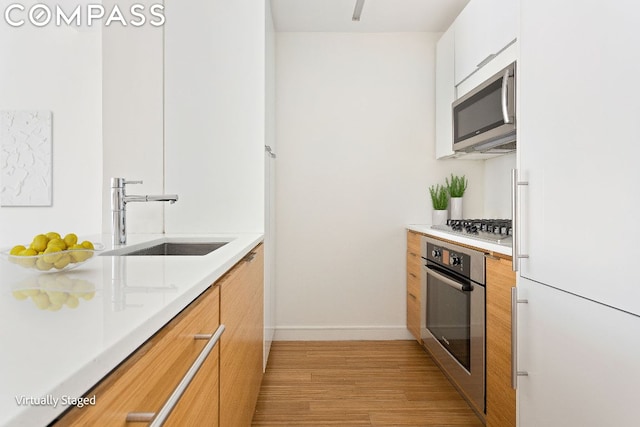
(436, 253)
(454, 260)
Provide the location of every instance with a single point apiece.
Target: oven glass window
(449, 319)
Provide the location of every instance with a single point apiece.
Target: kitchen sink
(168, 248)
(180, 249)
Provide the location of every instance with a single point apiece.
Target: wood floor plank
(357, 383)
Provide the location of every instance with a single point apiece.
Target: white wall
(355, 130)
(57, 69)
(215, 115)
(133, 118)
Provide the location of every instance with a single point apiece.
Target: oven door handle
(432, 270)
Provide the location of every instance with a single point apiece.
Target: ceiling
(377, 15)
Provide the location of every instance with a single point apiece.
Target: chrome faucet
(119, 200)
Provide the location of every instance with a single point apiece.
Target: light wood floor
(357, 383)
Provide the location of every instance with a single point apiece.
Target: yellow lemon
(17, 249)
(70, 239)
(39, 243)
(87, 245)
(79, 253)
(62, 262)
(76, 247)
(51, 254)
(43, 265)
(59, 243)
(53, 235)
(28, 252)
(29, 261)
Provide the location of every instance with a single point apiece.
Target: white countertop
(481, 244)
(64, 353)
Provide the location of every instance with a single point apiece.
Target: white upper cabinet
(482, 30)
(578, 148)
(445, 94)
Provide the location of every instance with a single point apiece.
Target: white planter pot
(455, 203)
(439, 217)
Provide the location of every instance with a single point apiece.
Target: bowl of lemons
(50, 252)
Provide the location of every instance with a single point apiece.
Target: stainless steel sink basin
(180, 249)
(168, 248)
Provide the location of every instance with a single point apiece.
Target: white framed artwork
(25, 158)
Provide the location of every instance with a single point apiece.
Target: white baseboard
(341, 333)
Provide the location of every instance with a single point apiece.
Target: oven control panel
(449, 259)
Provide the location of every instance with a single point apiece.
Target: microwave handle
(505, 89)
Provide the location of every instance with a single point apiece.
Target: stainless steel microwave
(484, 120)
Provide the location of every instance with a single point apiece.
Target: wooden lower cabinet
(145, 380)
(200, 404)
(225, 389)
(501, 397)
(414, 284)
(241, 346)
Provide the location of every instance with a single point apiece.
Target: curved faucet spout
(119, 202)
(171, 198)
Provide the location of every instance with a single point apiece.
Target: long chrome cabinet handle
(515, 219)
(159, 418)
(505, 93)
(514, 338)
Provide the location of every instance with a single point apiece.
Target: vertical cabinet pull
(514, 338)
(158, 419)
(515, 219)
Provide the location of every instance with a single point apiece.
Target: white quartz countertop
(47, 357)
(454, 237)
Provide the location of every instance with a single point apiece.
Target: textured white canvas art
(25, 158)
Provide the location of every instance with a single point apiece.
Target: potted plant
(456, 189)
(440, 202)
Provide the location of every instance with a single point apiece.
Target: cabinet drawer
(413, 315)
(414, 269)
(145, 380)
(413, 286)
(413, 243)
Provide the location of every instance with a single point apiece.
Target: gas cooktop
(496, 231)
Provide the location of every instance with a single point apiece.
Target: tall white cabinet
(578, 134)
(219, 113)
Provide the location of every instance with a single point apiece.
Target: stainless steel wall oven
(454, 325)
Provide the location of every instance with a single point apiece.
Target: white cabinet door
(445, 94)
(582, 360)
(483, 28)
(579, 148)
